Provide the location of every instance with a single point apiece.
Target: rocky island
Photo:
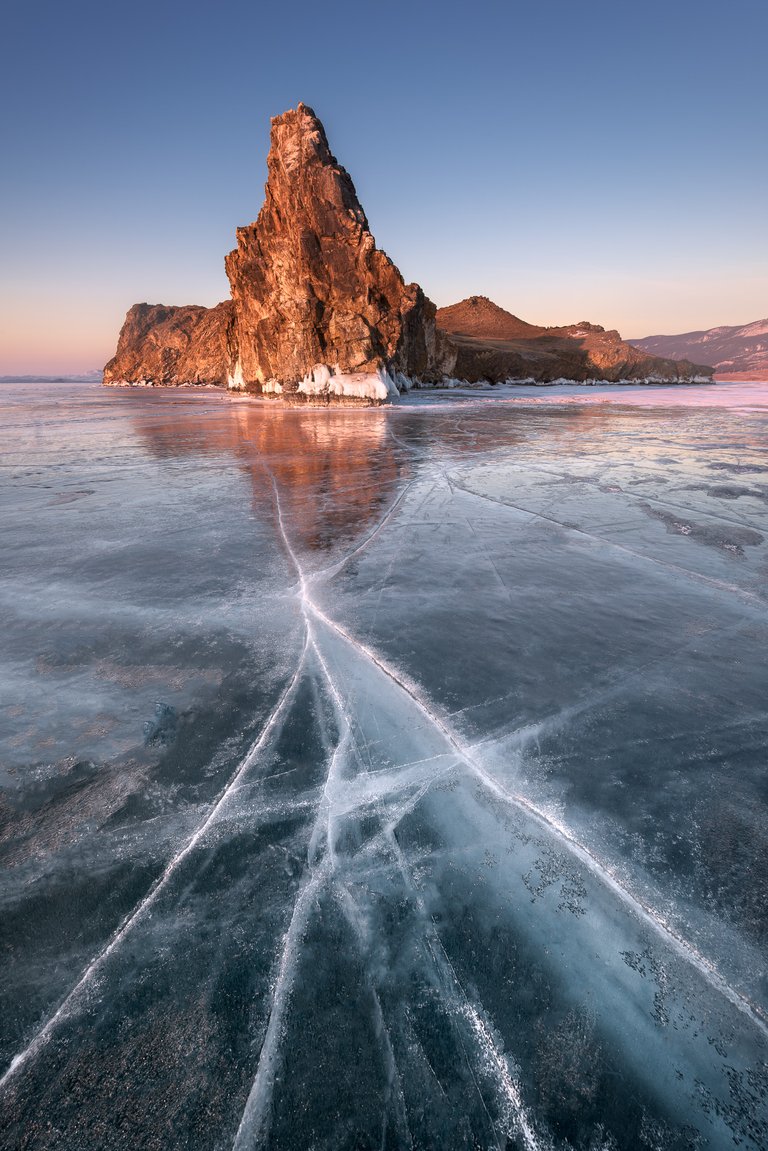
(319, 313)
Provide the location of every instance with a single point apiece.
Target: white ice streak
(255, 1118)
(256, 1112)
(254, 1121)
(517, 1118)
(494, 1063)
(687, 573)
(335, 568)
(554, 825)
(70, 1001)
(394, 1083)
(453, 995)
(253, 1127)
(456, 1002)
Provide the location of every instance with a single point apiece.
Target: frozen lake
(385, 778)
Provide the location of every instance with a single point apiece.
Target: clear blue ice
(384, 778)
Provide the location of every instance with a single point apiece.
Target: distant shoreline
(85, 378)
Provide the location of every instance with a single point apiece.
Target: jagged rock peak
(314, 297)
(298, 141)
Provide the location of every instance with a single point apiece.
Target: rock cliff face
(494, 345)
(313, 295)
(172, 346)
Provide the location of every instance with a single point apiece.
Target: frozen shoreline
(382, 387)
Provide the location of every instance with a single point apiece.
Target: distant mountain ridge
(739, 352)
(493, 344)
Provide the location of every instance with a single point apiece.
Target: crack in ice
(601, 870)
(687, 573)
(65, 1008)
(254, 1122)
(322, 863)
(255, 1115)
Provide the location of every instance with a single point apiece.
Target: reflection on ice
(455, 838)
(337, 470)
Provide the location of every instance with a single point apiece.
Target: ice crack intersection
(602, 871)
(254, 1123)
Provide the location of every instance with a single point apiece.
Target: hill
(496, 345)
(736, 353)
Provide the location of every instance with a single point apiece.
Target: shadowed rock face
(494, 345)
(309, 284)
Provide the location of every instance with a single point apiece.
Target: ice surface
(384, 778)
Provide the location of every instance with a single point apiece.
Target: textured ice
(384, 778)
(323, 381)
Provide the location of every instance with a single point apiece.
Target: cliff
(172, 346)
(493, 344)
(735, 352)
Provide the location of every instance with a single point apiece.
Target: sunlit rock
(318, 312)
(319, 308)
(494, 345)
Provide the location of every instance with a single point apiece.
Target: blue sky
(601, 161)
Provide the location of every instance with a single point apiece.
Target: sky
(604, 160)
